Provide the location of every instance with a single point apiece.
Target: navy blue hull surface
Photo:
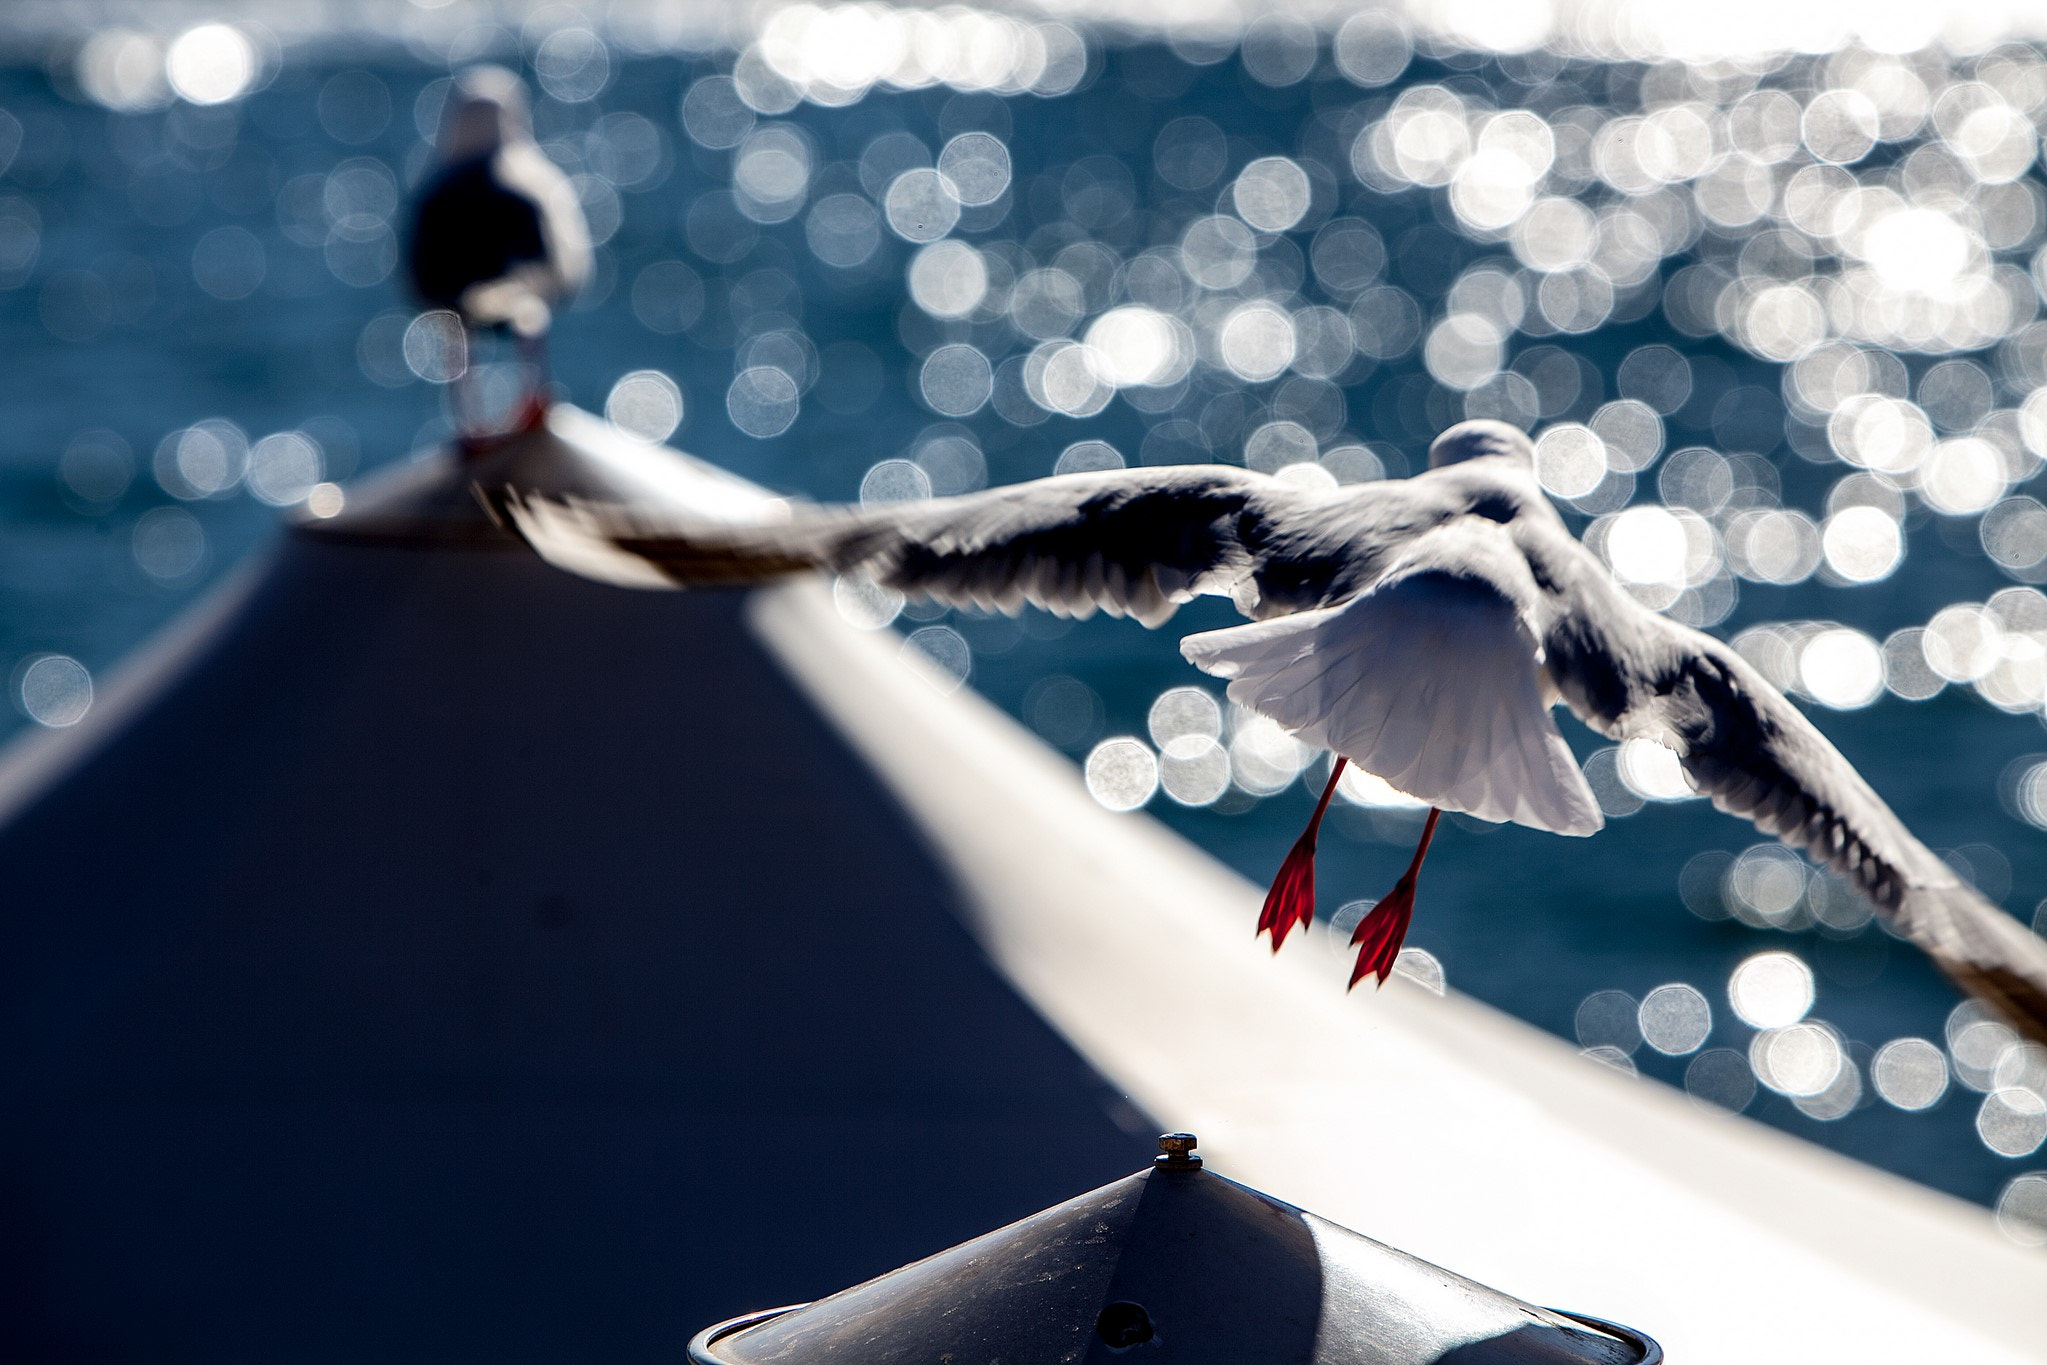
(465, 961)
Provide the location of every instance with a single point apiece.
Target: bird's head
(1475, 439)
(486, 109)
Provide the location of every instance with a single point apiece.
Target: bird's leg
(533, 357)
(1379, 935)
(1291, 900)
(464, 399)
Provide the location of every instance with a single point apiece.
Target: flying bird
(498, 234)
(1421, 628)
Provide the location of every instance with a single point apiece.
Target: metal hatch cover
(1172, 1264)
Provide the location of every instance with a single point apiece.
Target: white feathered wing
(1431, 681)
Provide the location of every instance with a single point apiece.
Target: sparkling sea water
(1775, 322)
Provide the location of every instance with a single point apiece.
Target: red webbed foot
(1291, 900)
(1379, 934)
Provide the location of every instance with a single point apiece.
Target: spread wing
(1430, 680)
(1132, 542)
(1629, 673)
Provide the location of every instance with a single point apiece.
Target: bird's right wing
(1756, 755)
(1132, 542)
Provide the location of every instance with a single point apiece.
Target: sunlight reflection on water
(1775, 320)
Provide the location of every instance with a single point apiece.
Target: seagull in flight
(1421, 628)
(498, 234)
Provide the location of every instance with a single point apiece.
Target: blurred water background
(1764, 285)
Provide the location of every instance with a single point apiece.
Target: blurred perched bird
(498, 235)
(1421, 628)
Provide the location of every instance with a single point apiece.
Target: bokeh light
(645, 404)
(1771, 990)
(1122, 773)
(1766, 291)
(53, 690)
(1910, 1073)
(1675, 1019)
(210, 64)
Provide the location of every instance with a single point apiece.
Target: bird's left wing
(1132, 542)
(1632, 674)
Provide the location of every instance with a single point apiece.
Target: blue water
(108, 330)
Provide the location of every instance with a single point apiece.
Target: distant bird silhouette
(498, 235)
(1421, 628)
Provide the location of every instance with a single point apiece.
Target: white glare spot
(895, 481)
(1060, 376)
(1278, 445)
(956, 380)
(1962, 643)
(1798, 1060)
(714, 115)
(436, 347)
(325, 500)
(1653, 771)
(206, 460)
(1422, 967)
(1862, 544)
(1372, 48)
(865, 604)
(573, 65)
(1646, 545)
(941, 654)
(1264, 758)
(948, 279)
(1135, 345)
(55, 690)
(1910, 1073)
(1308, 477)
(1917, 250)
(762, 401)
(922, 205)
(1271, 194)
(2028, 791)
(1842, 668)
(1258, 341)
(210, 64)
(977, 164)
(1570, 460)
(1963, 477)
(1771, 990)
(1977, 1045)
(2012, 1122)
(1464, 350)
(123, 69)
(1218, 253)
(2022, 1209)
(1182, 714)
(646, 405)
(1675, 1019)
(1195, 771)
(284, 468)
(1088, 457)
(1122, 773)
(771, 171)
